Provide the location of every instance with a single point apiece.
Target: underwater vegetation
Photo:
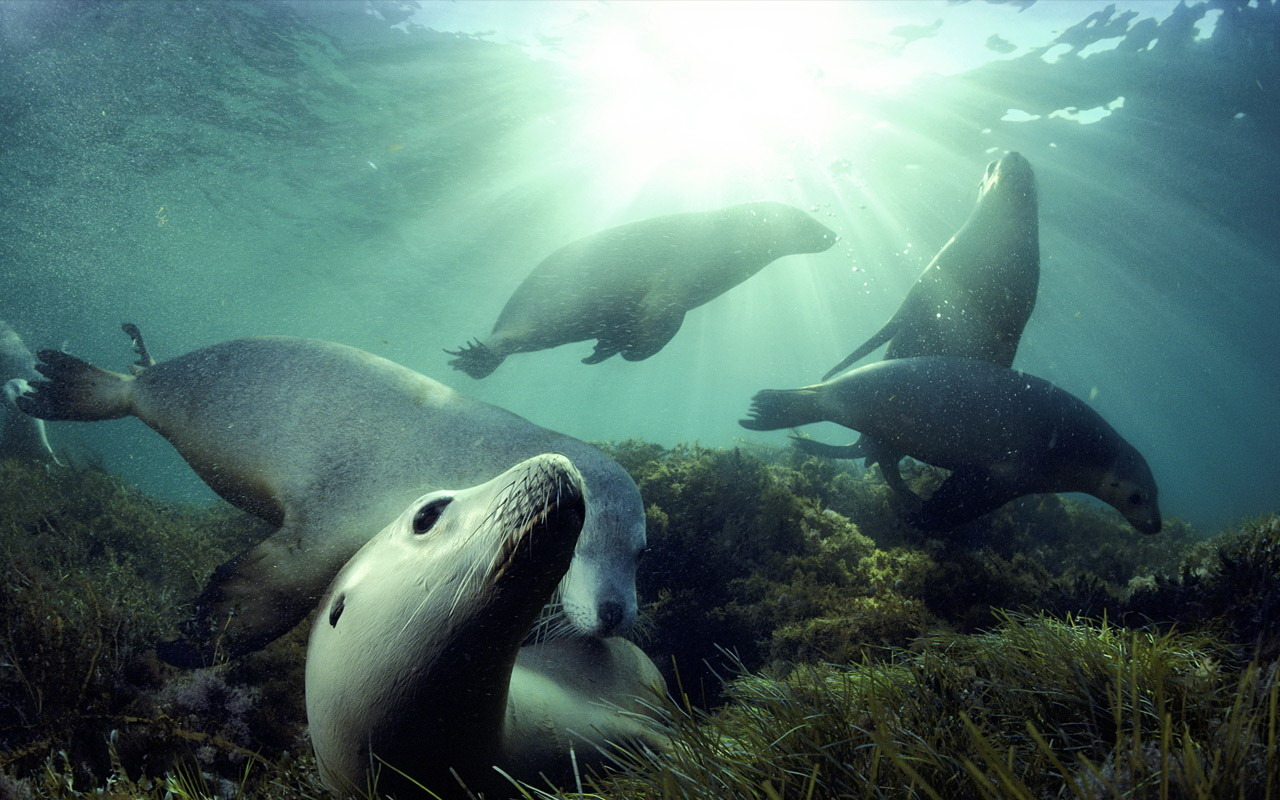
(95, 574)
(817, 646)
(1036, 707)
(776, 556)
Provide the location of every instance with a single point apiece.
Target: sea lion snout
(1130, 489)
(541, 504)
(1010, 176)
(1151, 524)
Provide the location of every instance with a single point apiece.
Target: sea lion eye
(428, 514)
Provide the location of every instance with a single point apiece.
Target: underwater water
(386, 173)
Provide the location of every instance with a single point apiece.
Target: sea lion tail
(475, 358)
(772, 409)
(76, 390)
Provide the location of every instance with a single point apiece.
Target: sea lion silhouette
(629, 287)
(21, 435)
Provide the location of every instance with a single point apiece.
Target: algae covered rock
(746, 558)
(1230, 584)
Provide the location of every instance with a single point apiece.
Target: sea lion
(415, 676)
(21, 436)
(976, 295)
(329, 443)
(1002, 433)
(973, 300)
(629, 287)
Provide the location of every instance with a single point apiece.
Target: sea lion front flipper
(656, 324)
(254, 598)
(893, 479)
(963, 497)
(605, 349)
(878, 338)
(813, 447)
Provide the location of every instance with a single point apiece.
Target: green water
(217, 170)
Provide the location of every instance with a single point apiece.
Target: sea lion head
(422, 625)
(780, 230)
(1008, 188)
(597, 597)
(1130, 488)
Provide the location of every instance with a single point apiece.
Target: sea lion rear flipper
(772, 409)
(813, 447)
(963, 497)
(139, 346)
(76, 390)
(475, 358)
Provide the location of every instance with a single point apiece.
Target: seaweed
(744, 564)
(1231, 585)
(870, 661)
(97, 574)
(1037, 707)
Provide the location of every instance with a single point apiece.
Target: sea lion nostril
(610, 616)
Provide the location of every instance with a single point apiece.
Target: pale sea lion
(329, 443)
(629, 287)
(973, 300)
(415, 675)
(21, 435)
(1002, 433)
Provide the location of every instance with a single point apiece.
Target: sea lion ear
(335, 610)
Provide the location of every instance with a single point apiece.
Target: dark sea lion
(973, 300)
(1002, 434)
(330, 443)
(629, 287)
(21, 436)
(415, 674)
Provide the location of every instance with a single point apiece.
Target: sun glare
(724, 84)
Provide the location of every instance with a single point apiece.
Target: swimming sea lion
(973, 300)
(629, 287)
(415, 675)
(330, 443)
(1002, 434)
(21, 436)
